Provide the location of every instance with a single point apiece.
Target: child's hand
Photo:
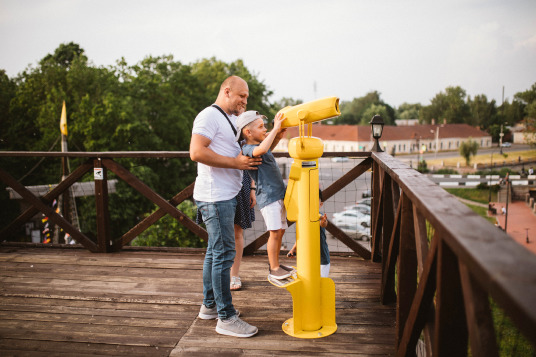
(279, 118)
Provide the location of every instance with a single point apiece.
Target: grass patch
(509, 340)
(485, 159)
(481, 211)
(472, 194)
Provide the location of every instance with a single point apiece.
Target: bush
(422, 167)
(168, 232)
(447, 172)
(507, 170)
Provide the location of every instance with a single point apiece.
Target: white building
(398, 139)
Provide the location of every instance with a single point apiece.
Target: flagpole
(66, 197)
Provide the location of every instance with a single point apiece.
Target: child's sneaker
(290, 269)
(279, 274)
(236, 327)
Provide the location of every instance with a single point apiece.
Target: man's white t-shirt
(214, 183)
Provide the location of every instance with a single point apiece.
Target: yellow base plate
(288, 328)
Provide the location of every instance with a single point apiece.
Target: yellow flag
(63, 121)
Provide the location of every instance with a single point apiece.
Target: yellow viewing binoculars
(311, 112)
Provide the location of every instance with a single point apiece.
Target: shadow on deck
(71, 301)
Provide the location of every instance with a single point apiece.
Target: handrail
(105, 161)
(450, 280)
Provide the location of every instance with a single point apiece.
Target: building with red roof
(395, 139)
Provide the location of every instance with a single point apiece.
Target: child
(270, 188)
(325, 263)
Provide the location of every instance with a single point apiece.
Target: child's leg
(273, 246)
(239, 247)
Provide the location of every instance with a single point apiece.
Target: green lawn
(510, 341)
(473, 194)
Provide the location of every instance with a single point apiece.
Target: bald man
(219, 179)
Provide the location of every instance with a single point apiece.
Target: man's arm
(200, 152)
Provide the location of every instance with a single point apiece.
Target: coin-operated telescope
(313, 297)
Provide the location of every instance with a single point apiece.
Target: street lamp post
(377, 124)
(490, 168)
(507, 180)
(500, 138)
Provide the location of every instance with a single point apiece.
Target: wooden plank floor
(64, 302)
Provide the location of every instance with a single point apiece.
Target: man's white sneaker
(236, 327)
(208, 313)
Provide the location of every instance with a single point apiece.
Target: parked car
(367, 193)
(506, 145)
(365, 201)
(353, 223)
(359, 207)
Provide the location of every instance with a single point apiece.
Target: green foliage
(449, 106)
(149, 106)
(168, 232)
(408, 111)
(472, 194)
(422, 167)
(447, 172)
(510, 341)
(483, 113)
(467, 149)
(359, 111)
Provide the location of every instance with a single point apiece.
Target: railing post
(450, 323)
(101, 201)
(375, 228)
(407, 267)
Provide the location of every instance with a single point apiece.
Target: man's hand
(324, 221)
(247, 163)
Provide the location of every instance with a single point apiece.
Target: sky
(408, 51)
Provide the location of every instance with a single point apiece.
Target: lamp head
(377, 126)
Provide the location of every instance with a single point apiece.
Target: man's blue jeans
(219, 219)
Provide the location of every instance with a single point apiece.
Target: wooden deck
(138, 303)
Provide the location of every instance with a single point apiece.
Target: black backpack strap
(226, 117)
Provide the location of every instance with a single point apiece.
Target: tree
(168, 232)
(449, 106)
(65, 55)
(7, 93)
(408, 111)
(286, 102)
(483, 113)
(467, 149)
(371, 111)
(211, 73)
(353, 112)
(148, 106)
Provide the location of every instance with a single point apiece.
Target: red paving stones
(520, 217)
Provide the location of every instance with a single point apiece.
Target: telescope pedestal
(313, 297)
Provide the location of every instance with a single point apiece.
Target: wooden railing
(106, 161)
(442, 287)
(441, 262)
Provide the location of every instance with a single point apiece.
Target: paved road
(449, 154)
